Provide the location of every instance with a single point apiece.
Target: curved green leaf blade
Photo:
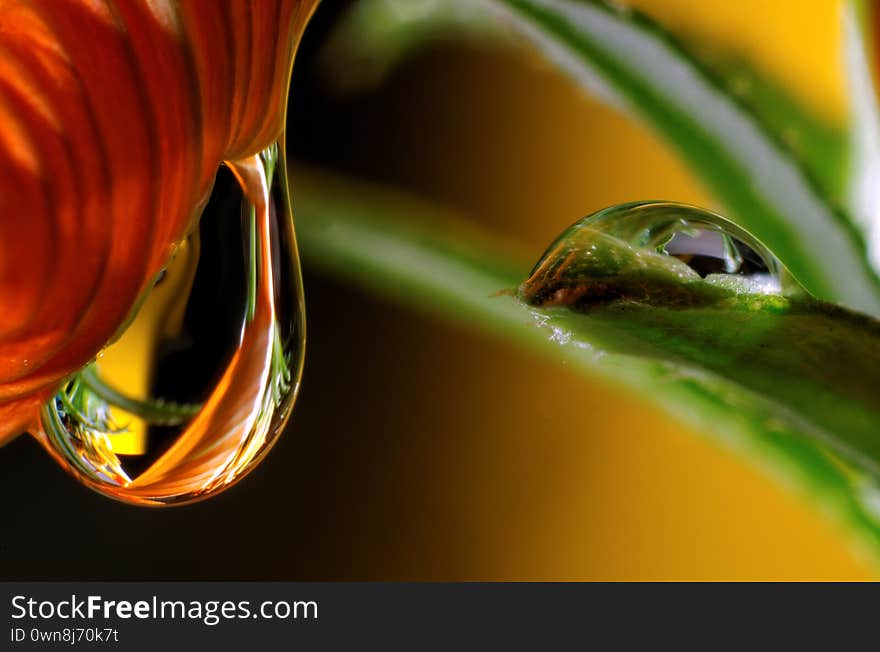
(763, 186)
(375, 36)
(372, 37)
(822, 147)
(786, 383)
(864, 166)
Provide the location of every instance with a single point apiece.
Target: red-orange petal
(114, 117)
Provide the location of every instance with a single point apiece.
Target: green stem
(154, 411)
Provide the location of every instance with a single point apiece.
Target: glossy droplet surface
(662, 253)
(223, 362)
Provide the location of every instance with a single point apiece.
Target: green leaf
(822, 148)
(788, 383)
(864, 164)
(622, 56)
(374, 36)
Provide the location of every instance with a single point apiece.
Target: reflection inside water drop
(659, 252)
(222, 335)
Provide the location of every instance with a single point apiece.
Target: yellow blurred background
(569, 479)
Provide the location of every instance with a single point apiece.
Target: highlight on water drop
(212, 362)
(663, 253)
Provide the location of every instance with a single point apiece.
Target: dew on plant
(661, 253)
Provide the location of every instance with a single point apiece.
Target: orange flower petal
(114, 117)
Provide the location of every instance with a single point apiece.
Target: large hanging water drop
(661, 253)
(223, 363)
